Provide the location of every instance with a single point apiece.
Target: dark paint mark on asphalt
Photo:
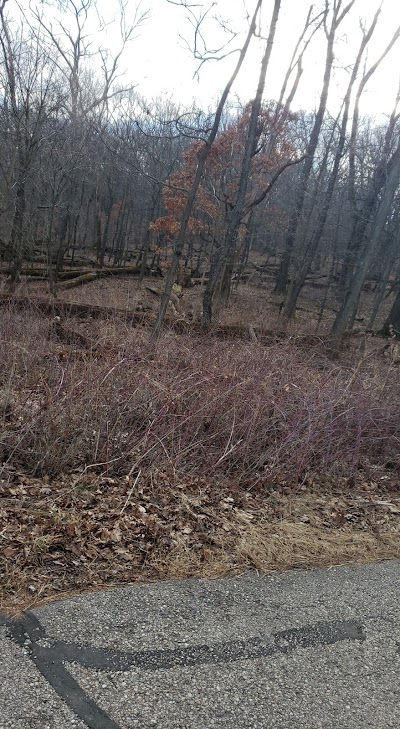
(234, 650)
(28, 633)
(50, 655)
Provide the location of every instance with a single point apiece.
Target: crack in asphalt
(50, 655)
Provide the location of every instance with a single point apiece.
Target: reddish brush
(258, 414)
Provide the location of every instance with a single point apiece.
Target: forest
(199, 305)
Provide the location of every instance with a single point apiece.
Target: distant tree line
(91, 170)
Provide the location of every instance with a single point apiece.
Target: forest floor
(199, 456)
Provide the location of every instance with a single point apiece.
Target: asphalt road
(303, 649)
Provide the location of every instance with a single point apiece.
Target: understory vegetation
(198, 455)
(261, 414)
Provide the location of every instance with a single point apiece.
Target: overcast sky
(160, 63)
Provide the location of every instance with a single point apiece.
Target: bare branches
(259, 199)
(364, 80)
(8, 57)
(383, 55)
(296, 59)
(74, 47)
(345, 11)
(197, 15)
(184, 4)
(296, 62)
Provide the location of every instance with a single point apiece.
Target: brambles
(261, 414)
(199, 456)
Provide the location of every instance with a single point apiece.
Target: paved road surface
(299, 650)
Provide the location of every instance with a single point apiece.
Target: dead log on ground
(70, 309)
(78, 280)
(77, 272)
(66, 335)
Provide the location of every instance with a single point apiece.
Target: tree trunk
(283, 271)
(235, 215)
(180, 240)
(16, 237)
(298, 279)
(361, 218)
(104, 236)
(391, 327)
(348, 311)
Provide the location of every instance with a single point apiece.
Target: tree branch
(270, 185)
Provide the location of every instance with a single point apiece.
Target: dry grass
(283, 546)
(125, 461)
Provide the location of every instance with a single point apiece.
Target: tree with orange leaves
(218, 188)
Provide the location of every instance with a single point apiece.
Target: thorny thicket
(200, 406)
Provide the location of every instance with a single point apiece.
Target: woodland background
(90, 169)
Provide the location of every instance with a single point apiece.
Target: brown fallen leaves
(88, 530)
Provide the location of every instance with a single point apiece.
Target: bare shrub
(258, 414)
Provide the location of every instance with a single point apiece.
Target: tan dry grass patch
(290, 546)
(278, 547)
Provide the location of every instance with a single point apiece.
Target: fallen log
(98, 273)
(138, 316)
(75, 273)
(78, 280)
(66, 335)
(70, 309)
(43, 273)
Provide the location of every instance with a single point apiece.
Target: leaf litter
(90, 531)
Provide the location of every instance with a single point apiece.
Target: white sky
(158, 62)
(161, 64)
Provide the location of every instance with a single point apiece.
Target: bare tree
(348, 311)
(307, 255)
(68, 41)
(180, 240)
(224, 255)
(339, 12)
(236, 213)
(30, 99)
(361, 214)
